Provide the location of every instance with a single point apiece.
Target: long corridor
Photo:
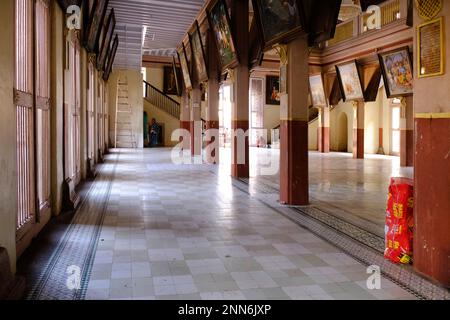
(187, 232)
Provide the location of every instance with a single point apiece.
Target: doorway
(395, 125)
(343, 133)
(257, 137)
(225, 116)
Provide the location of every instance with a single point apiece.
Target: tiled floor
(353, 190)
(184, 232)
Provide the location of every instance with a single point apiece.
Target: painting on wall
(170, 81)
(317, 91)
(95, 24)
(106, 43)
(176, 72)
(185, 67)
(279, 20)
(111, 58)
(397, 72)
(198, 52)
(273, 90)
(219, 21)
(350, 81)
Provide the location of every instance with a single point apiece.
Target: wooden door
(25, 122)
(42, 89)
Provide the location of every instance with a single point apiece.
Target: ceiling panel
(152, 27)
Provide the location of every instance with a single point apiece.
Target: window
(395, 136)
(256, 112)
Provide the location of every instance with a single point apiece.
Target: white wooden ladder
(124, 136)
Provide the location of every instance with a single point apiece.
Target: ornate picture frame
(350, 81)
(273, 90)
(177, 72)
(220, 23)
(278, 23)
(198, 53)
(111, 58)
(107, 39)
(427, 52)
(318, 97)
(95, 24)
(397, 71)
(185, 70)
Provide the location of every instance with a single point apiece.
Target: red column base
(294, 175)
(407, 148)
(240, 170)
(213, 157)
(432, 199)
(358, 143)
(186, 125)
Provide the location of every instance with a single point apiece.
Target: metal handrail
(161, 100)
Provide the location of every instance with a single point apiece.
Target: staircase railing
(162, 101)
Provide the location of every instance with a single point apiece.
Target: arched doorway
(343, 132)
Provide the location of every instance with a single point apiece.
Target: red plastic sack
(400, 221)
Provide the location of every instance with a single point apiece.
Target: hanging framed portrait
(273, 90)
(176, 71)
(198, 53)
(106, 43)
(185, 67)
(220, 23)
(430, 46)
(95, 24)
(279, 21)
(397, 72)
(317, 91)
(170, 81)
(350, 81)
(111, 58)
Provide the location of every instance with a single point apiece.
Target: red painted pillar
(240, 104)
(324, 130)
(294, 177)
(185, 120)
(212, 110)
(196, 122)
(358, 130)
(407, 133)
(432, 196)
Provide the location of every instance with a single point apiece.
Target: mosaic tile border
(403, 276)
(84, 231)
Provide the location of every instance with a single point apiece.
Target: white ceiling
(165, 21)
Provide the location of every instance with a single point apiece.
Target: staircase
(161, 101)
(124, 136)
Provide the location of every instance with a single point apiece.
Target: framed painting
(185, 67)
(397, 72)
(198, 53)
(94, 28)
(176, 72)
(170, 81)
(350, 81)
(431, 48)
(219, 20)
(317, 91)
(111, 58)
(273, 90)
(106, 43)
(279, 20)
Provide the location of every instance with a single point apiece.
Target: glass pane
(396, 118)
(396, 141)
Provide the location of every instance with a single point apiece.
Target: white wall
(312, 135)
(346, 108)
(8, 181)
(135, 99)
